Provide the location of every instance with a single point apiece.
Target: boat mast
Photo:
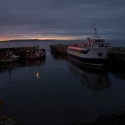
(95, 31)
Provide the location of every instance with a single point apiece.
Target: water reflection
(95, 79)
(37, 75)
(13, 66)
(59, 56)
(8, 67)
(35, 63)
(118, 71)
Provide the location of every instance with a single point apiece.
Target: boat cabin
(96, 40)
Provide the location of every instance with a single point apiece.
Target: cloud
(61, 18)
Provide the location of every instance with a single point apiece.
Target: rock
(7, 120)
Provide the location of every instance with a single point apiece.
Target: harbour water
(57, 91)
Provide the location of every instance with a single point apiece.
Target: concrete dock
(117, 56)
(59, 48)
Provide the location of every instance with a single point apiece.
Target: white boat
(94, 52)
(13, 57)
(8, 57)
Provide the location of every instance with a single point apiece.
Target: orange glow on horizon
(40, 37)
(43, 38)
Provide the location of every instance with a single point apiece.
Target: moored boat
(94, 52)
(8, 57)
(38, 54)
(13, 57)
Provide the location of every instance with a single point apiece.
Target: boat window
(98, 40)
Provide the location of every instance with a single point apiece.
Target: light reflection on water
(64, 93)
(96, 80)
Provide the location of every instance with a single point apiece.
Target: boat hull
(5, 61)
(9, 60)
(93, 56)
(31, 58)
(89, 61)
(14, 59)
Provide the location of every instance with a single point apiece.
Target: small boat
(38, 54)
(8, 57)
(95, 52)
(13, 57)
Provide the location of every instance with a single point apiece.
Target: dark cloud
(61, 18)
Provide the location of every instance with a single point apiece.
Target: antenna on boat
(95, 30)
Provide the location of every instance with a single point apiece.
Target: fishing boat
(38, 54)
(13, 57)
(94, 52)
(8, 57)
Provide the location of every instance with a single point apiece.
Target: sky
(61, 19)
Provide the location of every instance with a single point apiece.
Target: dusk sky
(61, 19)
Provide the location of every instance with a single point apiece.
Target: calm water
(64, 94)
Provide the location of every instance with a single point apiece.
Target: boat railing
(90, 44)
(78, 45)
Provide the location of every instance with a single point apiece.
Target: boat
(38, 54)
(94, 52)
(8, 57)
(13, 57)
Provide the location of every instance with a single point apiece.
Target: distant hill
(28, 40)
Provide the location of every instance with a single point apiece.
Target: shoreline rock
(5, 119)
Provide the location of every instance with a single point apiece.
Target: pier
(117, 56)
(59, 48)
